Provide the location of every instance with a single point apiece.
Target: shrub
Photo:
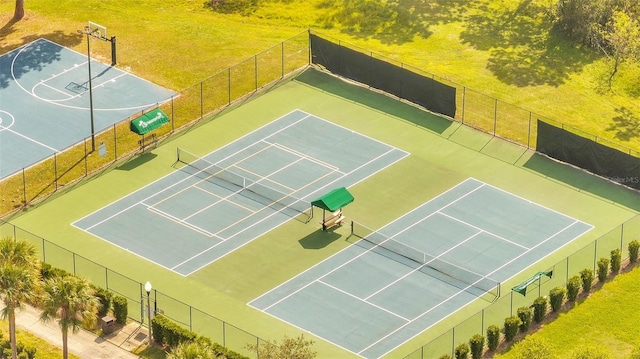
(539, 309)
(603, 269)
(462, 351)
(573, 287)
(31, 352)
(511, 325)
(586, 275)
(556, 298)
(634, 246)
(525, 314)
(120, 309)
(493, 337)
(105, 297)
(167, 332)
(476, 343)
(616, 261)
(445, 356)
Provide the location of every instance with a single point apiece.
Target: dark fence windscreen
(424, 91)
(594, 157)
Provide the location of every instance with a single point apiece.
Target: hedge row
(168, 333)
(557, 297)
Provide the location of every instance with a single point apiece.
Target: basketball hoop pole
(93, 133)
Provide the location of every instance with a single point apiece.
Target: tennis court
(45, 104)
(400, 280)
(217, 203)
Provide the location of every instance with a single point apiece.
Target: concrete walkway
(86, 345)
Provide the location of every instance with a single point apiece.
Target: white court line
(303, 155)
(458, 293)
(31, 139)
(483, 230)
(360, 299)
(179, 221)
(424, 265)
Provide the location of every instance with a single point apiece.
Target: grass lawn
(607, 320)
(502, 47)
(44, 350)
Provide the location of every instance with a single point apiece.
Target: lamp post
(147, 288)
(88, 32)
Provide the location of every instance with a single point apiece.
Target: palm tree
(72, 301)
(19, 281)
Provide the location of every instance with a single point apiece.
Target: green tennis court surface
(216, 204)
(45, 105)
(394, 283)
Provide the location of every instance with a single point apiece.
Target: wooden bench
(335, 219)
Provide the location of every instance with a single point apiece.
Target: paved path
(85, 344)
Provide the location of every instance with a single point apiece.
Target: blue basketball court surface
(396, 282)
(45, 105)
(215, 204)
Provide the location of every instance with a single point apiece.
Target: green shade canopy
(334, 200)
(149, 121)
(522, 287)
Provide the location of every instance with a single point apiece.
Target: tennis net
(237, 183)
(429, 264)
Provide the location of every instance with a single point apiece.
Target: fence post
(595, 254)
(55, 170)
(464, 101)
(115, 143)
(282, 59)
(495, 116)
(86, 164)
(173, 116)
(255, 70)
(201, 101)
(24, 188)
(229, 85)
(529, 131)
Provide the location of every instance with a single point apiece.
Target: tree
(19, 281)
(72, 301)
(622, 39)
(19, 11)
(583, 20)
(289, 348)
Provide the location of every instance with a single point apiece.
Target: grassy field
(503, 48)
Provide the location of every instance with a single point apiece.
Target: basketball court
(46, 101)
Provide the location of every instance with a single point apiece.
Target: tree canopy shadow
(39, 55)
(626, 125)
(391, 21)
(524, 50)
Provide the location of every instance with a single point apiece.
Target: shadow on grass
(134, 162)
(523, 48)
(583, 181)
(626, 125)
(391, 21)
(318, 239)
(377, 101)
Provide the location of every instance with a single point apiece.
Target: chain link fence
(508, 304)
(182, 313)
